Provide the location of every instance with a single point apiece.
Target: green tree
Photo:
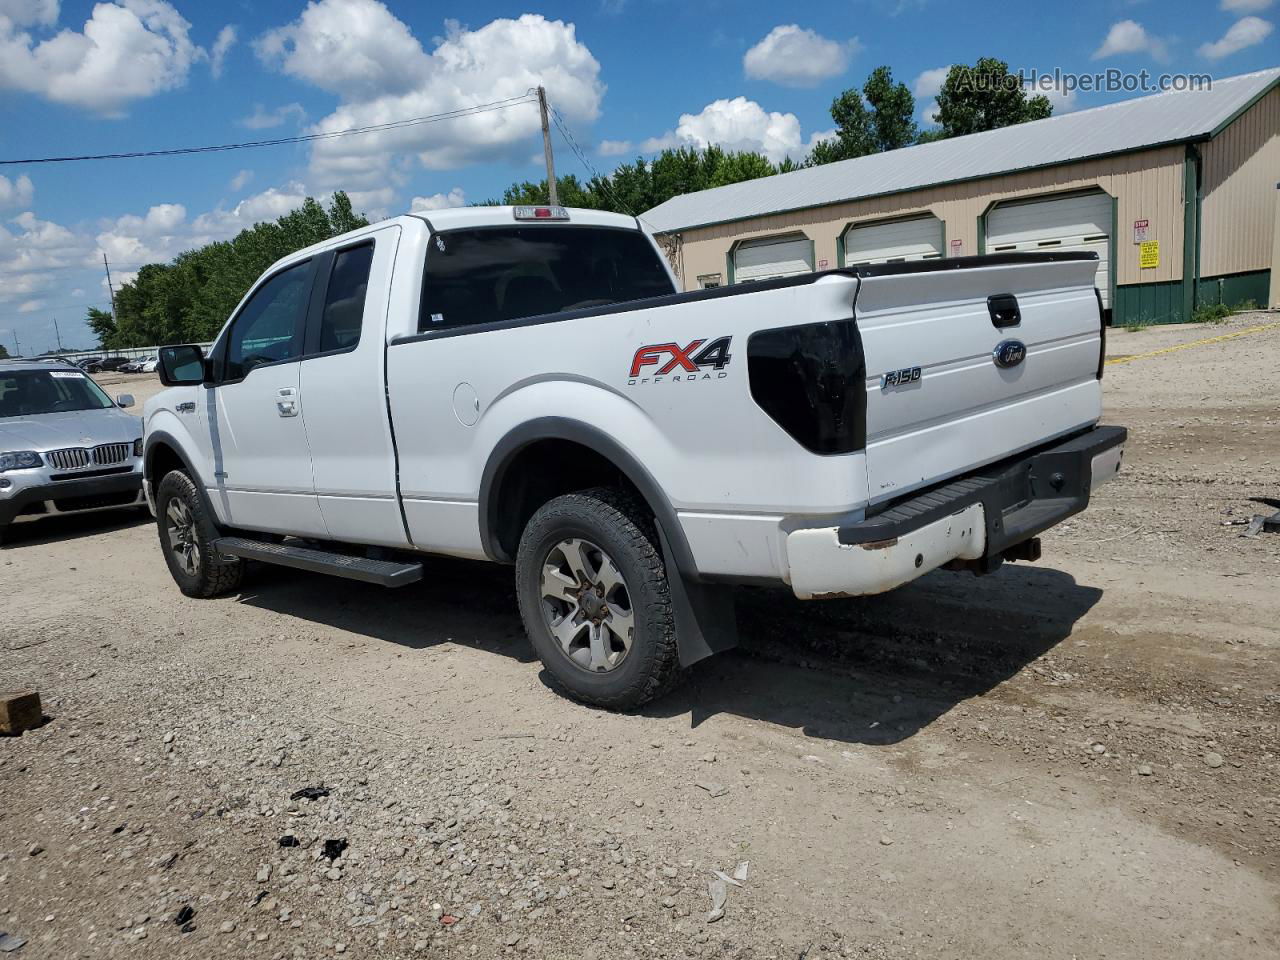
(103, 325)
(4, 352)
(191, 298)
(984, 96)
(879, 118)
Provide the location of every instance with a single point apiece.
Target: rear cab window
(498, 274)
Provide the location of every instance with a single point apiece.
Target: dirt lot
(1076, 758)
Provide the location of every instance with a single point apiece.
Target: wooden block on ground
(19, 711)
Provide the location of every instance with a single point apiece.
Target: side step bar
(382, 572)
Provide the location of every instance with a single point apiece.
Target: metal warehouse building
(1177, 193)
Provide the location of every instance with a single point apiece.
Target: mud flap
(706, 617)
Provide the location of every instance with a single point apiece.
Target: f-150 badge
(675, 363)
(900, 378)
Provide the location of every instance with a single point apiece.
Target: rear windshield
(494, 274)
(29, 393)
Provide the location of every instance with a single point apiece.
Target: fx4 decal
(681, 363)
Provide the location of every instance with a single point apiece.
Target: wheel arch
(520, 446)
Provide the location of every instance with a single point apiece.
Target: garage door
(771, 257)
(894, 242)
(1079, 222)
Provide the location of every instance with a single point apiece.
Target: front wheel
(187, 533)
(595, 600)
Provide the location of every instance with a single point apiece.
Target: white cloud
(439, 201)
(1129, 36)
(359, 51)
(30, 306)
(614, 148)
(127, 51)
(240, 181)
(17, 192)
(221, 47)
(794, 56)
(30, 13)
(929, 82)
(737, 124)
(1248, 32)
(1245, 6)
(263, 119)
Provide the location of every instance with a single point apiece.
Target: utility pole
(16, 345)
(110, 289)
(57, 333)
(546, 149)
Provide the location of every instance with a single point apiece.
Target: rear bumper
(975, 518)
(72, 496)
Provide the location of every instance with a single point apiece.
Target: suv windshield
(492, 274)
(29, 393)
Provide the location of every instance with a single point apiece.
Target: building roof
(1158, 120)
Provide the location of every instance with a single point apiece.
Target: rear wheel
(186, 535)
(595, 601)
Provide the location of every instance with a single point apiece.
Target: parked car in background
(65, 446)
(111, 364)
(85, 363)
(140, 365)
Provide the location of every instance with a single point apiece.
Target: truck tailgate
(938, 402)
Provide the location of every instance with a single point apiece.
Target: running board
(382, 572)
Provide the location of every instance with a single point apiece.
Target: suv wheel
(186, 534)
(595, 601)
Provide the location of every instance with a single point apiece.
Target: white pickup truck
(526, 385)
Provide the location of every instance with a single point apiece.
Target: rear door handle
(287, 401)
(1004, 310)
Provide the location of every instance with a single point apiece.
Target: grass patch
(1216, 313)
(1137, 326)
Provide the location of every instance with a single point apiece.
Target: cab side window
(269, 328)
(343, 313)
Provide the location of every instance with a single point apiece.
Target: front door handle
(287, 401)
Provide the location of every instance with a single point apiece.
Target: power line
(604, 181)
(527, 97)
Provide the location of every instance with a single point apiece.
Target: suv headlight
(20, 460)
(137, 447)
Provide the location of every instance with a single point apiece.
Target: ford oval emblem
(1009, 353)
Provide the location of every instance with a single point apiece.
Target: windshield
(490, 274)
(29, 393)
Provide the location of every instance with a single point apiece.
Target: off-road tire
(214, 576)
(624, 529)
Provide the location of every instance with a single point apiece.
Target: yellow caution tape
(1195, 343)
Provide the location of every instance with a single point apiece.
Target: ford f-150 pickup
(525, 385)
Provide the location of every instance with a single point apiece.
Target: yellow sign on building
(1149, 254)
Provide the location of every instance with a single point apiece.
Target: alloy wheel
(587, 605)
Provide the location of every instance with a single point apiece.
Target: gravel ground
(1076, 758)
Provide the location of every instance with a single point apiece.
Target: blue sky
(629, 76)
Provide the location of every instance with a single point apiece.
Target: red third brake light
(540, 213)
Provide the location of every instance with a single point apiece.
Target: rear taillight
(1102, 333)
(811, 380)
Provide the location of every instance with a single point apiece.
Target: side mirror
(181, 366)
(124, 400)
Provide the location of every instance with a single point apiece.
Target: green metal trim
(1159, 302)
(946, 252)
(1245, 109)
(1190, 239)
(728, 263)
(1113, 255)
(1197, 138)
(1233, 289)
(813, 254)
(840, 249)
(982, 228)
